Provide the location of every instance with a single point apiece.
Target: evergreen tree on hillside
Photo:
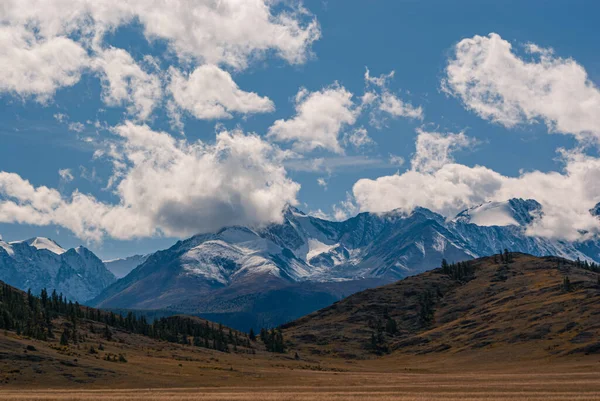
(64, 337)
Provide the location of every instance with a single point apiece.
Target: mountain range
(262, 277)
(40, 263)
(247, 277)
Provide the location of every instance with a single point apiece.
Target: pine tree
(445, 267)
(567, 284)
(107, 333)
(64, 337)
(391, 327)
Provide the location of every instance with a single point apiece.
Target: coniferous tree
(445, 266)
(107, 333)
(64, 337)
(391, 327)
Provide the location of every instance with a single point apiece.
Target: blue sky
(417, 40)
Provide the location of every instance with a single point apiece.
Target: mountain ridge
(40, 262)
(229, 268)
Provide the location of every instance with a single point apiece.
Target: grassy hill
(493, 304)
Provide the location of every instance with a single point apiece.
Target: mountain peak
(291, 211)
(515, 212)
(43, 243)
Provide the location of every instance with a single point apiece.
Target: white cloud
(436, 182)
(322, 182)
(165, 186)
(345, 209)
(315, 213)
(65, 175)
(396, 160)
(209, 93)
(499, 86)
(37, 67)
(61, 117)
(359, 138)
(215, 32)
(126, 83)
(334, 164)
(383, 102)
(320, 118)
(434, 149)
(46, 45)
(76, 126)
(392, 105)
(381, 80)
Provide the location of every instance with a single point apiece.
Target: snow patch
(439, 243)
(490, 214)
(43, 243)
(316, 247)
(7, 248)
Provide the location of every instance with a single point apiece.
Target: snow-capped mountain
(240, 273)
(514, 212)
(40, 263)
(122, 266)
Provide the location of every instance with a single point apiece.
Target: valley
(506, 325)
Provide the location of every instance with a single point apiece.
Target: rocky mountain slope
(122, 266)
(241, 276)
(41, 263)
(521, 304)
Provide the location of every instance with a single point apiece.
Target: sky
(126, 126)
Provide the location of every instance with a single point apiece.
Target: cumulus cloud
(434, 149)
(126, 83)
(320, 118)
(498, 85)
(395, 107)
(436, 182)
(384, 103)
(37, 67)
(45, 45)
(209, 92)
(359, 138)
(165, 186)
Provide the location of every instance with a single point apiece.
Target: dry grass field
(510, 333)
(384, 387)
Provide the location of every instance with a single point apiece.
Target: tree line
(33, 316)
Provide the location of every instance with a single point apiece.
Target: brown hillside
(517, 305)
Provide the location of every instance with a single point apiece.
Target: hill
(541, 306)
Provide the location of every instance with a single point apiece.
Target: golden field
(510, 333)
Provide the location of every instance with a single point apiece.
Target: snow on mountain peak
(516, 212)
(43, 243)
(7, 247)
